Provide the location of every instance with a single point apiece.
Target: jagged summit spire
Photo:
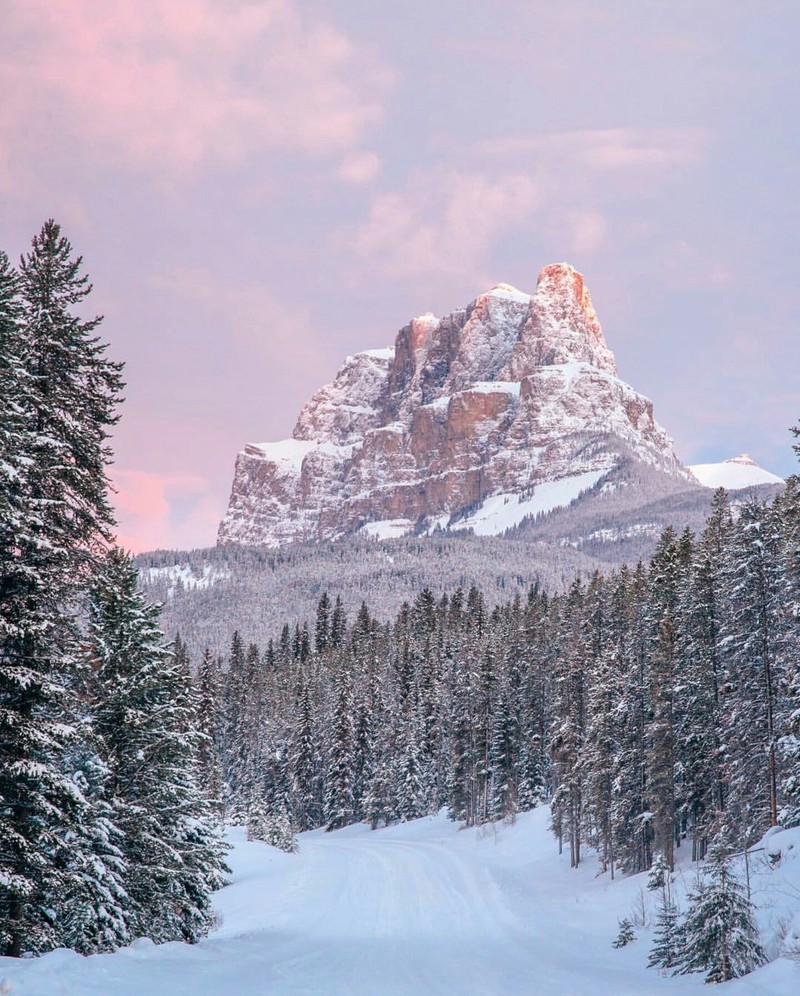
(562, 325)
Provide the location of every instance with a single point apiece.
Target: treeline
(104, 833)
(656, 707)
(209, 593)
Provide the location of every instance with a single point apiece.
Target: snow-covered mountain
(500, 411)
(737, 472)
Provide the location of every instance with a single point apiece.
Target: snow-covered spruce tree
(665, 952)
(246, 729)
(462, 784)
(257, 819)
(209, 729)
(363, 749)
(93, 912)
(235, 685)
(339, 801)
(503, 762)
(380, 803)
(322, 630)
(658, 876)
(58, 396)
(631, 817)
(790, 738)
(667, 569)
(412, 787)
(569, 721)
(281, 833)
(305, 762)
(485, 685)
(755, 671)
(13, 439)
(626, 934)
(700, 680)
(142, 718)
(597, 757)
(718, 934)
(531, 685)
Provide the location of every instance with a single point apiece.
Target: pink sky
(260, 188)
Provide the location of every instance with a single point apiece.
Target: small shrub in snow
(790, 938)
(640, 914)
(272, 827)
(626, 934)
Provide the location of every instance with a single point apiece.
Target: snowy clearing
(413, 909)
(387, 528)
(504, 511)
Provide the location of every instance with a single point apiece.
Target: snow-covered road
(417, 909)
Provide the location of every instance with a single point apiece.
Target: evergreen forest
(655, 707)
(105, 835)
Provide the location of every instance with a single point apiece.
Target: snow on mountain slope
(737, 472)
(416, 909)
(504, 511)
(495, 399)
(184, 576)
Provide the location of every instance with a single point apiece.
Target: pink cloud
(589, 231)
(360, 167)
(444, 223)
(172, 83)
(164, 510)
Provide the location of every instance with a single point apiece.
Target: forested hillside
(208, 594)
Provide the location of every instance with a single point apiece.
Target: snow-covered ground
(504, 511)
(499, 512)
(414, 909)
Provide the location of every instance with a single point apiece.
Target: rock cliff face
(505, 409)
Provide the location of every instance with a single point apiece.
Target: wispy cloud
(688, 266)
(171, 84)
(449, 220)
(589, 231)
(606, 149)
(444, 222)
(360, 167)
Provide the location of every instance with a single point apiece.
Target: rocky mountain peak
(561, 326)
(506, 401)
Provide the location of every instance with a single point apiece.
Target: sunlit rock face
(512, 400)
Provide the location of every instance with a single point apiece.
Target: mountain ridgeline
(481, 420)
(495, 446)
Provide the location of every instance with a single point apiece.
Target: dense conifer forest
(656, 706)
(104, 834)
